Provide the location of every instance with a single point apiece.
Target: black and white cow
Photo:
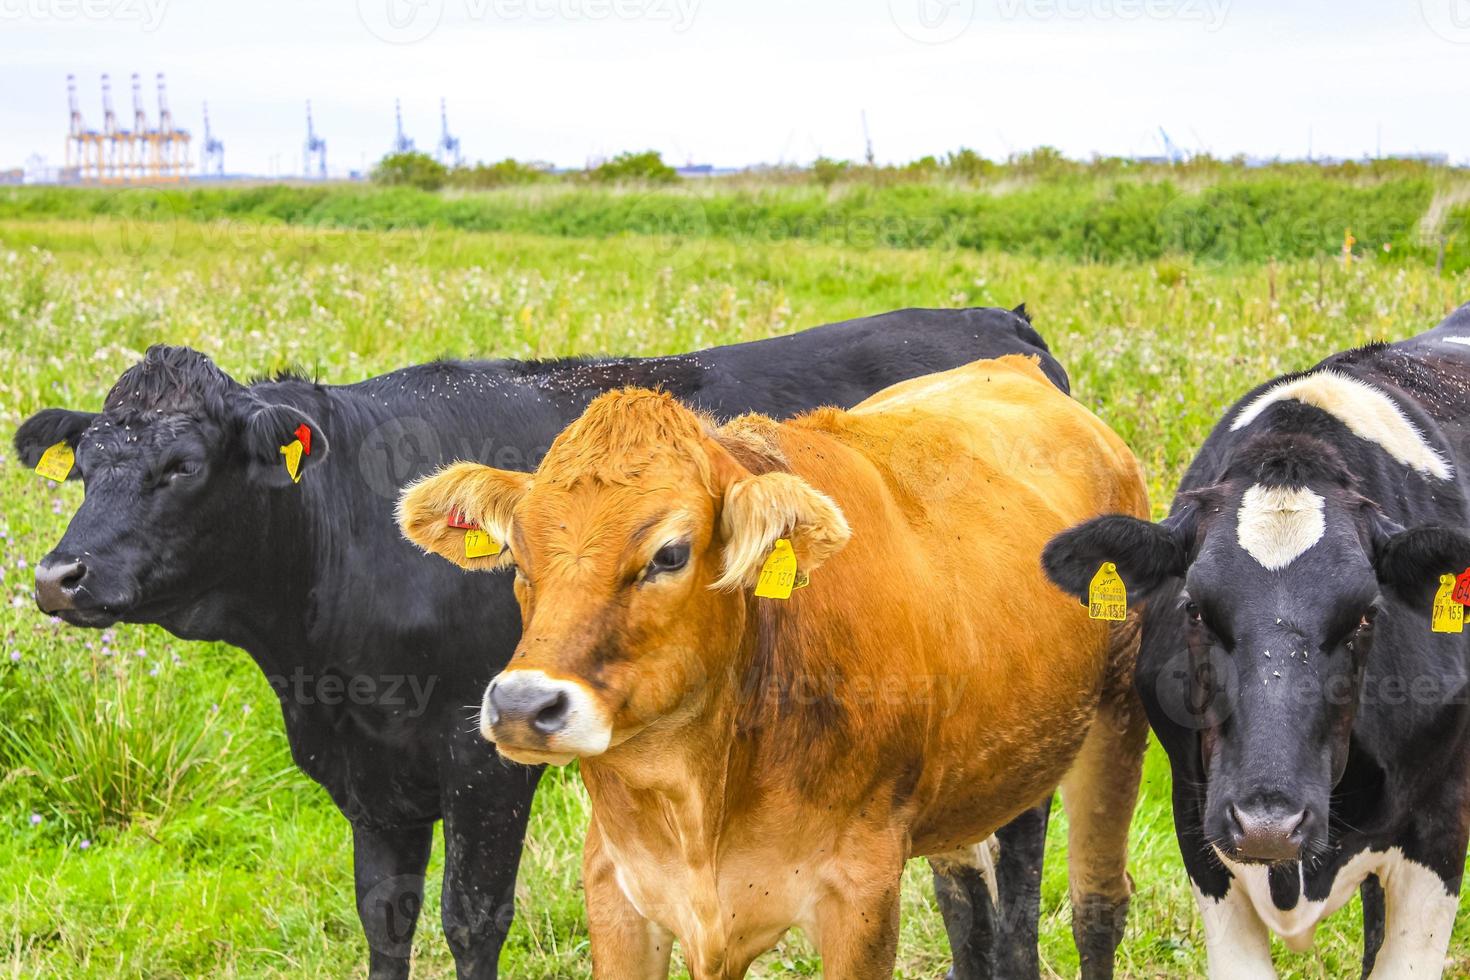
(191, 521)
(1317, 727)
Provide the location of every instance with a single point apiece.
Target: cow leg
(388, 867)
(990, 907)
(625, 945)
(857, 928)
(484, 829)
(1236, 941)
(1371, 891)
(1099, 794)
(1419, 909)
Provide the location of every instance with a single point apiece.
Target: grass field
(151, 823)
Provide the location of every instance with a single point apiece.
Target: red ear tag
(457, 519)
(304, 434)
(1462, 588)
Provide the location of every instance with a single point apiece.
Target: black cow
(1317, 725)
(192, 521)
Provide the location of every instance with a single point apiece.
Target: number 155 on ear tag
(1448, 615)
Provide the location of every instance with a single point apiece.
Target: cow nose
(1266, 834)
(542, 707)
(58, 583)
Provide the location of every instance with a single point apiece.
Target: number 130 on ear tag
(1107, 597)
(778, 575)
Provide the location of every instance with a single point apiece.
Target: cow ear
(459, 494)
(48, 427)
(1146, 554)
(758, 510)
(1409, 563)
(268, 433)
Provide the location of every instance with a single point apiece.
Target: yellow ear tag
(778, 575)
(292, 451)
(478, 544)
(56, 462)
(1449, 615)
(1107, 596)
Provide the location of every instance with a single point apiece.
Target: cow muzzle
(64, 588)
(1265, 834)
(534, 718)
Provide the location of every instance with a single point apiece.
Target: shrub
(827, 171)
(647, 167)
(506, 173)
(412, 169)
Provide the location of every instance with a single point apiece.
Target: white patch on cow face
(1364, 409)
(1463, 341)
(1420, 914)
(585, 730)
(1277, 524)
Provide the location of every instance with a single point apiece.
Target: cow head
(174, 467)
(633, 546)
(1278, 574)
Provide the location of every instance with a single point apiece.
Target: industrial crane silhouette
(84, 147)
(119, 141)
(316, 149)
(170, 145)
(401, 143)
(141, 135)
(212, 153)
(448, 152)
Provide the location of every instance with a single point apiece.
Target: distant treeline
(1237, 217)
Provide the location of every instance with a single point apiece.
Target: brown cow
(758, 763)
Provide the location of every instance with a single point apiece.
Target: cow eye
(669, 558)
(1366, 623)
(1191, 609)
(178, 469)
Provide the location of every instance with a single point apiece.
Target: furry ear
(1145, 553)
(468, 493)
(268, 429)
(1409, 563)
(45, 429)
(757, 510)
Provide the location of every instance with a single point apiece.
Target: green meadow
(151, 821)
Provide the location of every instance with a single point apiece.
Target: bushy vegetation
(411, 170)
(151, 823)
(505, 173)
(1242, 217)
(647, 167)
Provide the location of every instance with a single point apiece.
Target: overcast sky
(733, 82)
